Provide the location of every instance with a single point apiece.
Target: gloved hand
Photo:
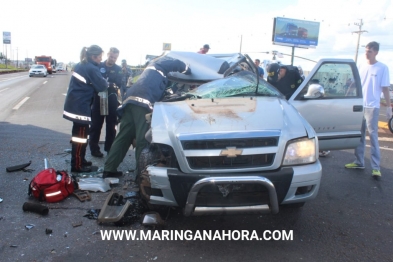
(388, 113)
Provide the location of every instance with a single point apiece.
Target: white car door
(337, 115)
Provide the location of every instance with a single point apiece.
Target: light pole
(359, 33)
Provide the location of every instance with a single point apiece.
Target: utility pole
(17, 61)
(359, 33)
(241, 39)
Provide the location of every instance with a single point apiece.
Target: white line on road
(7, 79)
(384, 148)
(21, 103)
(3, 89)
(45, 82)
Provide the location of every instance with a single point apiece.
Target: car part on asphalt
(93, 184)
(93, 214)
(18, 167)
(113, 209)
(82, 195)
(48, 231)
(152, 219)
(36, 208)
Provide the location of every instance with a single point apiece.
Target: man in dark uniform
(285, 78)
(113, 74)
(127, 73)
(139, 100)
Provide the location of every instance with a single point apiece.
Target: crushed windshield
(242, 83)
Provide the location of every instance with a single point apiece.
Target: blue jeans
(370, 120)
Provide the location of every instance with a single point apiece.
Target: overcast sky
(138, 28)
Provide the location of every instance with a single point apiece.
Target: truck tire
(390, 124)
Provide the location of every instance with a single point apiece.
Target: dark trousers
(79, 144)
(97, 121)
(132, 125)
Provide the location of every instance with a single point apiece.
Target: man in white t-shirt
(374, 77)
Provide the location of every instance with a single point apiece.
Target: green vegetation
(2, 66)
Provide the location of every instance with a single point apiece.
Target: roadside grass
(2, 66)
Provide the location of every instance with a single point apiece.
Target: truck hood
(225, 115)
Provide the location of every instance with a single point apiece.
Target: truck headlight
(300, 151)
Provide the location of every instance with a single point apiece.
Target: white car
(38, 70)
(235, 144)
(60, 68)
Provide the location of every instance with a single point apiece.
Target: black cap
(206, 46)
(124, 61)
(272, 74)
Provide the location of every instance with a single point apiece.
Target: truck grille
(223, 143)
(223, 162)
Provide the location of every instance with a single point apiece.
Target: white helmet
(315, 91)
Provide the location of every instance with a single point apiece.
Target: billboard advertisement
(293, 32)
(6, 37)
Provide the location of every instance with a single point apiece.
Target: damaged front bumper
(247, 192)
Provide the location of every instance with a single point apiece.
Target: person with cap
(285, 78)
(204, 49)
(112, 72)
(86, 80)
(139, 101)
(127, 74)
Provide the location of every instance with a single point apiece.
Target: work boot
(83, 169)
(86, 163)
(112, 174)
(97, 153)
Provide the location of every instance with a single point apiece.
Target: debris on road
(48, 231)
(36, 208)
(77, 224)
(29, 226)
(93, 184)
(93, 214)
(1, 200)
(82, 195)
(18, 167)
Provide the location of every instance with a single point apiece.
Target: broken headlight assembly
(300, 151)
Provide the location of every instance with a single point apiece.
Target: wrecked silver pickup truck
(224, 141)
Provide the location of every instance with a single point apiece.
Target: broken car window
(239, 84)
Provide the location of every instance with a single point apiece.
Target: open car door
(330, 99)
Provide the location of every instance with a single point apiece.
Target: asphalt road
(350, 220)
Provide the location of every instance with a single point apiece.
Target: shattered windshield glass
(239, 84)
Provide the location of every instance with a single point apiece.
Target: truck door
(336, 115)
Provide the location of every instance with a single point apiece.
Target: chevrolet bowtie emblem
(231, 152)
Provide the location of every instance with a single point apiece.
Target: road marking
(45, 82)
(7, 79)
(384, 148)
(383, 125)
(3, 89)
(21, 103)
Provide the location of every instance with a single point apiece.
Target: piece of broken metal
(48, 231)
(82, 195)
(113, 209)
(18, 167)
(13, 245)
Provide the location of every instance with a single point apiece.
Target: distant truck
(47, 61)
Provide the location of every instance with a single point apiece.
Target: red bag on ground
(51, 186)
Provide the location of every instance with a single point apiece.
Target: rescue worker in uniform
(86, 80)
(138, 102)
(285, 78)
(113, 74)
(127, 74)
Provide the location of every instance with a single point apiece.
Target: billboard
(166, 47)
(293, 32)
(6, 37)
